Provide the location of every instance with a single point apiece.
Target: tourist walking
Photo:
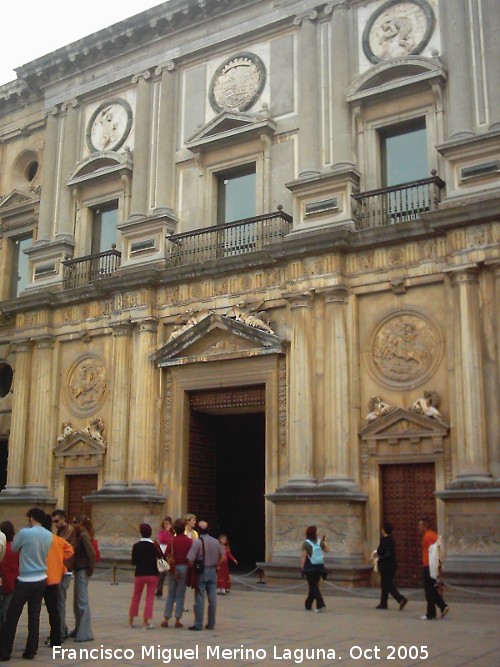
(432, 595)
(387, 565)
(313, 567)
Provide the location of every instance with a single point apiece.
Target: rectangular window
(236, 194)
(20, 265)
(404, 153)
(104, 232)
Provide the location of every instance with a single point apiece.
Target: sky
(33, 28)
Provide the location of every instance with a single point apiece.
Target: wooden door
(79, 486)
(407, 494)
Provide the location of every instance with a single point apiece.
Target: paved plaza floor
(260, 625)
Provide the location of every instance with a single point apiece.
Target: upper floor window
(236, 194)
(104, 231)
(20, 264)
(404, 153)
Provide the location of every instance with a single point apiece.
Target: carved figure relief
(398, 28)
(237, 83)
(249, 318)
(95, 429)
(109, 126)
(405, 349)
(86, 385)
(378, 408)
(66, 431)
(427, 405)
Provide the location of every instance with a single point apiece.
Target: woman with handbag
(165, 535)
(145, 554)
(312, 566)
(176, 578)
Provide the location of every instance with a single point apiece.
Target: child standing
(223, 576)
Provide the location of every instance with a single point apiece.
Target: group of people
(195, 559)
(37, 565)
(313, 568)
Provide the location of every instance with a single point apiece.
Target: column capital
(332, 7)
(465, 273)
(54, 111)
(166, 67)
(300, 18)
(122, 328)
(70, 104)
(299, 299)
(149, 325)
(142, 76)
(334, 294)
(44, 341)
(22, 345)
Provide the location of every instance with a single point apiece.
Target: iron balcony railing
(399, 203)
(234, 238)
(82, 271)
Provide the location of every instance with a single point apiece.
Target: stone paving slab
(269, 628)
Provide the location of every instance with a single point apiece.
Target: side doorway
(408, 493)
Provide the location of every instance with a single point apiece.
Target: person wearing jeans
(176, 578)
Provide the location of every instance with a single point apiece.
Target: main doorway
(79, 486)
(227, 467)
(407, 494)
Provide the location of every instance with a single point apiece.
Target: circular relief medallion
(237, 83)
(405, 349)
(109, 126)
(86, 385)
(398, 28)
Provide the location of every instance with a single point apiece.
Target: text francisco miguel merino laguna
(165, 655)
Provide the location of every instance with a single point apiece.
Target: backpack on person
(316, 557)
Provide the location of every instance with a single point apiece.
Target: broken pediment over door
(216, 338)
(404, 432)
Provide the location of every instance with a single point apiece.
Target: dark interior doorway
(4, 455)
(227, 477)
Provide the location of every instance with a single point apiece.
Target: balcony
(86, 270)
(397, 204)
(234, 238)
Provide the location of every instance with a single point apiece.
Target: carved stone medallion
(86, 385)
(109, 125)
(398, 28)
(237, 83)
(405, 349)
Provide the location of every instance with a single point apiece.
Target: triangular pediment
(79, 444)
(217, 337)
(17, 198)
(230, 125)
(403, 423)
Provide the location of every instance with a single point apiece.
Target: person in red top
(178, 548)
(9, 569)
(223, 576)
(432, 594)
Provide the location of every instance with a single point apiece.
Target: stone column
(308, 104)
(117, 451)
(491, 30)
(39, 451)
(338, 438)
(46, 214)
(471, 459)
(341, 76)
(65, 215)
(301, 396)
(166, 139)
(139, 205)
(142, 427)
(455, 31)
(20, 408)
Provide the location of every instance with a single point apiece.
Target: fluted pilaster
(39, 451)
(139, 204)
(471, 459)
(142, 427)
(301, 438)
(117, 452)
(308, 68)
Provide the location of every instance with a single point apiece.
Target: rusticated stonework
(405, 349)
(86, 385)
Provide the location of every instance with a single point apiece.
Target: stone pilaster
(341, 76)
(142, 427)
(166, 140)
(471, 458)
(455, 31)
(19, 428)
(65, 215)
(491, 29)
(139, 204)
(117, 451)
(47, 200)
(39, 450)
(308, 104)
(339, 440)
(301, 396)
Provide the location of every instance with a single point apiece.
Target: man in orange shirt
(430, 585)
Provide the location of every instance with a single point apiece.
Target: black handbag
(199, 565)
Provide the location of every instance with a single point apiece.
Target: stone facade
(366, 310)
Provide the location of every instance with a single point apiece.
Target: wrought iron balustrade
(397, 204)
(234, 238)
(82, 271)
